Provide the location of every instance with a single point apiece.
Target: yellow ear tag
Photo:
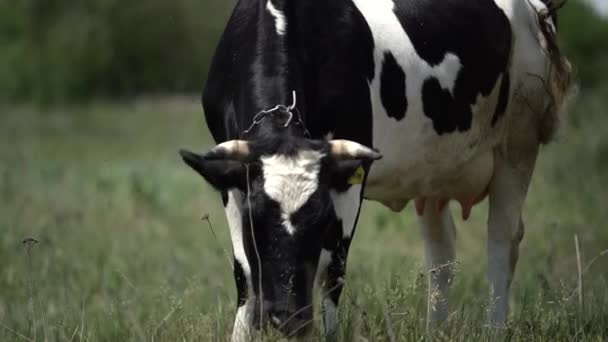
(357, 177)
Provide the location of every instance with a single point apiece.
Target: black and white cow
(457, 95)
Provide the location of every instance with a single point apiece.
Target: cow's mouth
(295, 322)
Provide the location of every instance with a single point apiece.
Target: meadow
(101, 237)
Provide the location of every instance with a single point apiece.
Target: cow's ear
(347, 172)
(222, 174)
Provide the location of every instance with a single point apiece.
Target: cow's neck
(275, 70)
(286, 54)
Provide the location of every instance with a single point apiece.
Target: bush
(61, 50)
(584, 35)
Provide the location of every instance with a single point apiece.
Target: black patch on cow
(392, 88)
(503, 98)
(241, 283)
(333, 236)
(337, 49)
(478, 33)
(224, 198)
(336, 270)
(440, 106)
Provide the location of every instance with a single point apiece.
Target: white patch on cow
(280, 23)
(347, 206)
(324, 261)
(529, 58)
(447, 71)
(330, 316)
(242, 323)
(291, 180)
(234, 218)
(244, 314)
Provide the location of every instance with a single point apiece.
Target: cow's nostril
(278, 318)
(290, 323)
(276, 321)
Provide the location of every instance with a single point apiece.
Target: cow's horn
(346, 149)
(233, 149)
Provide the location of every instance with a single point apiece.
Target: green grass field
(122, 253)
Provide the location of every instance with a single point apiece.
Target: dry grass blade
(16, 333)
(586, 269)
(328, 292)
(29, 243)
(127, 280)
(389, 323)
(581, 298)
(82, 321)
(74, 333)
(162, 322)
(602, 253)
(206, 217)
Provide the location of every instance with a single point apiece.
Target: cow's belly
(431, 184)
(420, 164)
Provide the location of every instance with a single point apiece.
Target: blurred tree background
(58, 51)
(63, 51)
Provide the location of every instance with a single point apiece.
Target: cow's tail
(559, 78)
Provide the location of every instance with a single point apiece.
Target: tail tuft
(559, 82)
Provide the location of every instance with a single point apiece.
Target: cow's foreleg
(512, 174)
(438, 232)
(243, 321)
(332, 287)
(332, 264)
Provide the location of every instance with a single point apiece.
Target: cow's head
(283, 180)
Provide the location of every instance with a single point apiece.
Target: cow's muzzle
(292, 322)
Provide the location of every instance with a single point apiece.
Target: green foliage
(584, 36)
(61, 50)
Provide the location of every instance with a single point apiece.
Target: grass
(123, 255)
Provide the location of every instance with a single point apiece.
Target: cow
(316, 105)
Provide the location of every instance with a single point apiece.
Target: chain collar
(290, 110)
